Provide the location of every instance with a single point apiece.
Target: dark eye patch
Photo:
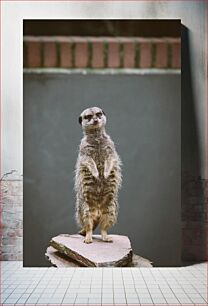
(88, 117)
(99, 115)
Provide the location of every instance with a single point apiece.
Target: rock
(63, 261)
(96, 254)
(59, 260)
(140, 262)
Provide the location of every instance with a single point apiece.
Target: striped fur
(97, 179)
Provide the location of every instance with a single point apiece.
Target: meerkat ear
(80, 119)
(103, 113)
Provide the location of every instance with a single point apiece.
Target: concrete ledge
(100, 71)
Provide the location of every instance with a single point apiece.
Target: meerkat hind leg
(108, 219)
(104, 225)
(88, 228)
(88, 237)
(105, 236)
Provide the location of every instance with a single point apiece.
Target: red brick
(97, 55)
(12, 233)
(113, 55)
(129, 55)
(9, 240)
(65, 55)
(81, 55)
(145, 55)
(19, 232)
(2, 225)
(33, 54)
(176, 55)
(14, 189)
(18, 258)
(161, 55)
(49, 54)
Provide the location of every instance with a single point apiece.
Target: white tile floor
(97, 286)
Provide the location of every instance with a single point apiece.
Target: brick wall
(194, 219)
(11, 218)
(103, 52)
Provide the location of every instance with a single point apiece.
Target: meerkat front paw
(106, 174)
(95, 174)
(88, 240)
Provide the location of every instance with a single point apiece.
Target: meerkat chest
(100, 153)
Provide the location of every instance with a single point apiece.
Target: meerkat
(97, 177)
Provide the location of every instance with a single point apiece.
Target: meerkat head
(92, 118)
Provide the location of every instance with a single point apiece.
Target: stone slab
(96, 254)
(63, 261)
(60, 260)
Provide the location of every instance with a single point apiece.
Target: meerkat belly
(98, 190)
(95, 214)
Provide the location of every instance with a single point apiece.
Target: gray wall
(143, 113)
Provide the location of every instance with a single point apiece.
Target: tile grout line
(68, 286)
(172, 279)
(159, 286)
(182, 287)
(147, 287)
(169, 288)
(124, 285)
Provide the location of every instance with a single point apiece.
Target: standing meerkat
(98, 176)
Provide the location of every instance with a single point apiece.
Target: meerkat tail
(83, 231)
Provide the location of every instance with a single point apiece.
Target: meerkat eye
(99, 115)
(88, 117)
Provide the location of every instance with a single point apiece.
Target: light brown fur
(98, 177)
